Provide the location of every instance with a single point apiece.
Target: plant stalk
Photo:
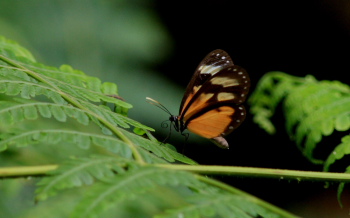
(205, 170)
(280, 174)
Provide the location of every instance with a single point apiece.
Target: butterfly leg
(186, 135)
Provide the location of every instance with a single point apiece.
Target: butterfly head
(175, 120)
(178, 123)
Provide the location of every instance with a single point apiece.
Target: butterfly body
(211, 106)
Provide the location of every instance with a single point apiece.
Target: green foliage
(78, 172)
(312, 109)
(217, 204)
(114, 181)
(69, 118)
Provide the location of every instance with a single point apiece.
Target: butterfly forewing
(213, 63)
(230, 86)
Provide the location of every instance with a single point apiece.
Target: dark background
(296, 37)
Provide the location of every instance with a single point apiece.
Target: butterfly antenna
(164, 124)
(157, 104)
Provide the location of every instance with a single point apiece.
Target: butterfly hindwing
(219, 121)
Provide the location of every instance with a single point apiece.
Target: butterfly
(212, 104)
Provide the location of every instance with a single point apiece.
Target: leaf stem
(205, 170)
(261, 172)
(24, 171)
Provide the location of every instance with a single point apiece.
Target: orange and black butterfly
(212, 104)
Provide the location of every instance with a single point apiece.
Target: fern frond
(313, 109)
(11, 112)
(270, 91)
(83, 140)
(72, 94)
(74, 82)
(28, 89)
(22, 85)
(219, 205)
(201, 199)
(341, 188)
(160, 150)
(338, 153)
(127, 186)
(78, 172)
(55, 136)
(18, 50)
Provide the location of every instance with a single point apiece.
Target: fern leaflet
(313, 109)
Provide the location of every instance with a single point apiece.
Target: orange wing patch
(200, 103)
(191, 94)
(213, 123)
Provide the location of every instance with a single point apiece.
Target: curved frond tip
(313, 109)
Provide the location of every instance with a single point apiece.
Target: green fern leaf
(341, 189)
(83, 140)
(338, 153)
(55, 136)
(159, 149)
(126, 186)
(201, 199)
(267, 96)
(219, 205)
(313, 109)
(58, 114)
(78, 172)
(16, 48)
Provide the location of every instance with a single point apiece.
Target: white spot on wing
(224, 81)
(223, 96)
(209, 69)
